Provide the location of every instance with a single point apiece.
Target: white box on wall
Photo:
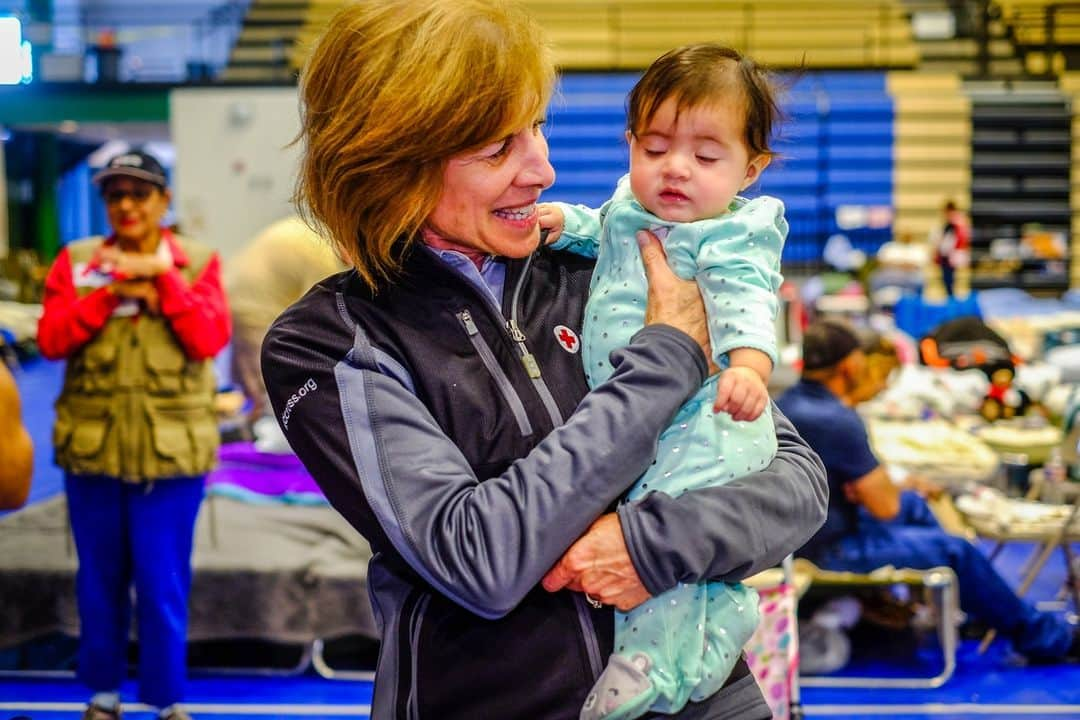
(235, 168)
(933, 25)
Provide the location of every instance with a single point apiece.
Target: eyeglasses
(138, 194)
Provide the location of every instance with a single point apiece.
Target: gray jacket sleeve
(732, 531)
(485, 545)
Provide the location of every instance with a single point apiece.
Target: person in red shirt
(953, 245)
(138, 316)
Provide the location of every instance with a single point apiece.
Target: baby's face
(691, 168)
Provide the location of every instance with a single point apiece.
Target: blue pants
(948, 275)
(915, 540)
(139, 533)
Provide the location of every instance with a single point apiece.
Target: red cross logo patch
(567, 338)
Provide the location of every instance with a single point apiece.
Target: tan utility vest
(133, 406)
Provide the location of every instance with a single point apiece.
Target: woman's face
(135, 210)
(489, 195)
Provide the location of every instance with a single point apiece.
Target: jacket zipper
(532, 368)
(588, 634)
(496, 371)
(416, 620)
(528, 360)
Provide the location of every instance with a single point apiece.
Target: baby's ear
(754, 169)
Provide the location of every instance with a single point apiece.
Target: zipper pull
(532, 368)
(467, 321)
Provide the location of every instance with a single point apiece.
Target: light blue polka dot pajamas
(683, 644)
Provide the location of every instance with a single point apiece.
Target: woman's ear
(754, 169)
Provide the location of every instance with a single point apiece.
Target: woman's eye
(502, 149)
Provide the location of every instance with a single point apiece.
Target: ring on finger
(593, 601)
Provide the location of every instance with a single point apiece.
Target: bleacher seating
(795, 175)
(932, 149)
(629, 34)
(586, 134)
(592, 34)
(1020, 163)
(1028, 21)
(1070, 85)
(266, 47)
(858, 149)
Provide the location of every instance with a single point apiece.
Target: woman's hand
(142, 290)
(672, 300)
(132, 265)
(599, 565)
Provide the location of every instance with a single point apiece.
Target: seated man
(872, 522)
(16, 449)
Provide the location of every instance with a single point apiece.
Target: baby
(699, 122)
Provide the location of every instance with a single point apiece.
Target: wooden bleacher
(1027, 22)
(932, 149)
(629, 34)
(266, 46)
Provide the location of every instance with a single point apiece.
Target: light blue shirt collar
(489, 279)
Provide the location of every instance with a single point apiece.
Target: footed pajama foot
(623, 691)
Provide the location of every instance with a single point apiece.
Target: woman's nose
(537, 169)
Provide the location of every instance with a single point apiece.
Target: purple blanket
(241, 465)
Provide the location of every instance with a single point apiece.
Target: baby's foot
(622, 691)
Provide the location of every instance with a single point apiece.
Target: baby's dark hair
(702, 74)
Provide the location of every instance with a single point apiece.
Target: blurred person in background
(873, 521)
(138, 316)
(952, 245)
(16, 448)
(898, 267)
(271, 272)
(882, 359)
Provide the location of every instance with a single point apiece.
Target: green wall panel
(45, 103)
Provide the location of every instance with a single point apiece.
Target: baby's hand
(551, 219)
(742, 394)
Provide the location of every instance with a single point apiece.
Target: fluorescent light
(15, 53)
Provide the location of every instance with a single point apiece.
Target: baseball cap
(827, 342)
(135, 164)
